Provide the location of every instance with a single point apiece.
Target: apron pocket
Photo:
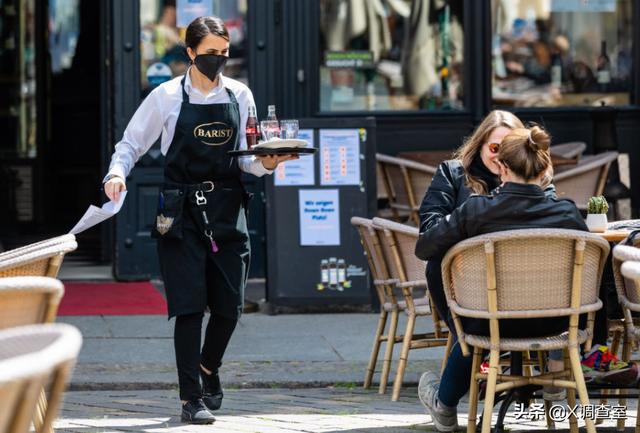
(168, 223)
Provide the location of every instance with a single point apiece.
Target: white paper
(95, 215)
(299, 171)
(339, 157)
(319, 217)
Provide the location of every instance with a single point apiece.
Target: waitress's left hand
(270, 162)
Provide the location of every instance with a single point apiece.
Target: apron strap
(232, 97)
(185, 97)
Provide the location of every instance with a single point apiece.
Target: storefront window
(17, 79)
(549, 53)
(163, 55)
(391, 55)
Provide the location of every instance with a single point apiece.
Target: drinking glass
(289, 128)
(270, 129)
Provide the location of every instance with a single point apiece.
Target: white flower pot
(597, 222)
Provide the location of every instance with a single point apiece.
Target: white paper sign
(95, 215)
(189, 10)
(319, 217)
(339, 157)
(300, 171)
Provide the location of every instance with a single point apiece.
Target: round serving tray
(278, 151)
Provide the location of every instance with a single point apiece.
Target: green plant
(597, 205)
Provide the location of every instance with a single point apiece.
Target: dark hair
(203, 26)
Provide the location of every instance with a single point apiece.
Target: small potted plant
(597, 209)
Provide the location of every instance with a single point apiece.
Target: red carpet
(92, 299)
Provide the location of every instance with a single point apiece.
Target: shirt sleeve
(434, 243)
(143, 130)
(248, 164)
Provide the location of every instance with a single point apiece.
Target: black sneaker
(195, 412)
(211, 390)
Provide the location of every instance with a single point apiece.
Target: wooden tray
(279, 151)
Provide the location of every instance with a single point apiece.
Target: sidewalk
(136, 352)
(312, 410)
(286, 373)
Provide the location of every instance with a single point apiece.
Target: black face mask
(210, 64)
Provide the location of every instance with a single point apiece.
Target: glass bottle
(270, 126)
(253, 128)
(333, 273)
(604, 68)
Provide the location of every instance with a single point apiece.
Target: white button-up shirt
(158, 114)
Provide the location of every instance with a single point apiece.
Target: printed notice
(319, 217)
(300, 171)
(339, 157)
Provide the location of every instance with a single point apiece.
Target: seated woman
(520, 203)
(472, 171)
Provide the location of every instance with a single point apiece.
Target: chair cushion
(521, 344)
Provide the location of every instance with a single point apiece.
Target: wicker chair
(569, 150)
(28, 301)
(584, 180)
(42, 258)
(406, 183)
(626, 271)
(518, 274)
(32, 358)
(397, 247)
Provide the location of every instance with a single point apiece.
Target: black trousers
(189, 356)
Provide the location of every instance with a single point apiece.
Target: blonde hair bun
(538, 139)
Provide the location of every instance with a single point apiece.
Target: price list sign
(339, 157)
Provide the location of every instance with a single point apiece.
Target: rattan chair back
(29, 300)
(627, 286)
(33, 358)
(371, 244)
(399, 249)
(406, 182)
(568, 150)
(584, 180)
(533, 272)
(42, 258)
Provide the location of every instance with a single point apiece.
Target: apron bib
(201, 225)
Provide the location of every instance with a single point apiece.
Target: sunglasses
(494, 147)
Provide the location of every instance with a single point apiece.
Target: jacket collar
(520, 189)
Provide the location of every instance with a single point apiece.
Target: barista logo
(213, 134)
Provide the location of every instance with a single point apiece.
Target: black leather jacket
(512, 206)
(448, 191)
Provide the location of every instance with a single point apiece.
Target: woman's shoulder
(170, 88)
(452, 168)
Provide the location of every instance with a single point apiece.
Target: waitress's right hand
(113, 187)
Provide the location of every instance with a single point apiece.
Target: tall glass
(289, 128)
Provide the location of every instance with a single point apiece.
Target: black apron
(201, 223)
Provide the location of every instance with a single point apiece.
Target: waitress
(201, 224)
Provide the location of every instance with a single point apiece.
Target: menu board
(339, 157)
(299, 171)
